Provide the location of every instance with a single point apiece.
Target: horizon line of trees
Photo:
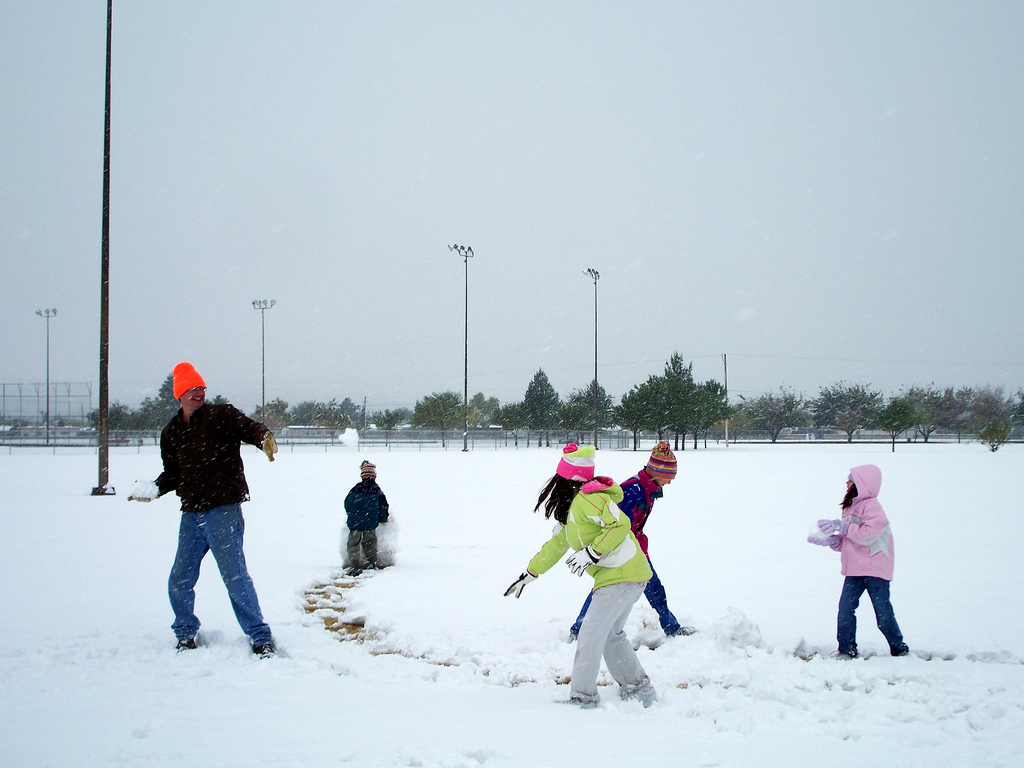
(985, 413)
(672, 405)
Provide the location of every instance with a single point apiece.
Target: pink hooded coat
(867, 548)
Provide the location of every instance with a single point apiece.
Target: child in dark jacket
(366, 507)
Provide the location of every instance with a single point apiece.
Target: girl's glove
(825, 534)
(517, 586)
(825, 541)
(580, 561)
(828, 527)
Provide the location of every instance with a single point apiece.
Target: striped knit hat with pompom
(577, 462)
(366, 469)
(662, 462)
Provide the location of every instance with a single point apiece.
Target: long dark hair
(851, 494)
(557, 497)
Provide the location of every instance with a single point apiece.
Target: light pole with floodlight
(47, 314)
(263, 305)
(103, 432)
(465, 252)
(594, 275)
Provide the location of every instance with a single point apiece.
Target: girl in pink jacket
(864, 540)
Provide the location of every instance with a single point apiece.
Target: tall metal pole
(725, 373)
(103, 438)
(47, 314)
(466, 252)
(263, 305)
(595, 276)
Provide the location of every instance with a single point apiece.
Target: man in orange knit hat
(638, 496)
(200, 448)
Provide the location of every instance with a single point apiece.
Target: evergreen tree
(679, 397)
(540, 406)
(166, 392)
(710, 407)
(511, 418)
(581, 405)
(575, 415)
(634, 410)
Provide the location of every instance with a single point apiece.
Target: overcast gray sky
(822, 191)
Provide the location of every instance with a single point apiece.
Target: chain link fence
(24, 404)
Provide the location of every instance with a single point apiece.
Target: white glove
(143, 490)
(517, 586)
(580, 561)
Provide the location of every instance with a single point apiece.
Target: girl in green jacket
(598, 533)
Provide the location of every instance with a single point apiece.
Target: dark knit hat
(662, 462)
(367, 469)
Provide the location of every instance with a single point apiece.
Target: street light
(47, 313)
(263, 305)
(465, 252)
(595, 276)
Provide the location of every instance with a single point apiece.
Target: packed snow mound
(734, 631)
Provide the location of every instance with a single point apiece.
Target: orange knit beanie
(185, 378)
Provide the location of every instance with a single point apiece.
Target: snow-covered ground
(449, 673)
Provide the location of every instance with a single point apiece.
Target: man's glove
(269, 446)
(143, 490)
(580, 561)
(517, 586)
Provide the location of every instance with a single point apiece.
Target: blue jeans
(655, 594)
(219, 530)
(878, 591)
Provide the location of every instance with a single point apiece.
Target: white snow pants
(602, 634)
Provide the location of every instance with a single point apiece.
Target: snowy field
(447, 672)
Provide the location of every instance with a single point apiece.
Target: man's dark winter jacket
(366, 506)
(202, 460)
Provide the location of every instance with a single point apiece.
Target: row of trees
(986, 412)
(672, 405)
